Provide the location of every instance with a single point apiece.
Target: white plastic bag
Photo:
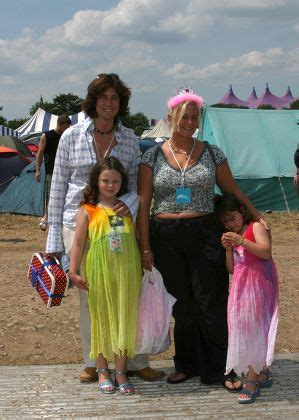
(154, 314)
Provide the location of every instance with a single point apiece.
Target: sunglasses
(112, 75)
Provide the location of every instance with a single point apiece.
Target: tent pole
(284, 196)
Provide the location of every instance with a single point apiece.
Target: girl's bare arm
(78, 248)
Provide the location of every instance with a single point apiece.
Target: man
(47, 148)
(100, 135)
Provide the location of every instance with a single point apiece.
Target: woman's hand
(263, 222)
(147, 260)
(78, 281)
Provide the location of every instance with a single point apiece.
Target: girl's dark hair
(91, 191)
(98, 86)
(229, 202)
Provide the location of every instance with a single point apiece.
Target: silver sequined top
(200, 178)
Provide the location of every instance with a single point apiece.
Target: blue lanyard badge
(183, 195)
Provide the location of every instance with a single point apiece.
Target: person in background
(100, 135)
(47, 149)
(252, 309)
(183, 240)
(296, 176)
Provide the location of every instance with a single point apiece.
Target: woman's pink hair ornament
(184, 95)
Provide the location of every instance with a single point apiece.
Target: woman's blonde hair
(175, 115)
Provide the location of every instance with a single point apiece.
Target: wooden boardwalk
(34, 392)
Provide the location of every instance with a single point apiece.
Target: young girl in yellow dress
(111, 273)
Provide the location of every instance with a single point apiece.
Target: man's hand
(37, 176)
(121, 209)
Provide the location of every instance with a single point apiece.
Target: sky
(156, 46)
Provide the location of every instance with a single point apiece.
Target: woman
(182, 239)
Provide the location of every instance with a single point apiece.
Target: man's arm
(40, 155)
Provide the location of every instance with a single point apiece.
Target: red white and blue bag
(48, 278)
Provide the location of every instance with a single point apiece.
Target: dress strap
(249, 232)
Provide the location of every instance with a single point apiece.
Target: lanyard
(183, 170)
(96, 147)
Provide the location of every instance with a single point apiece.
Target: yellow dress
(114, 280)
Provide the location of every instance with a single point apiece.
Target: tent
(252, 97)
(6, 131)
(14, 156)
(43, 121)
(266, 98)
(24, 195)
(19, 191)
(260, 146)
(231, 98)
(161, 130)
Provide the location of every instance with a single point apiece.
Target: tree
(16, 123)
(266, 106)
(2, 119)
(294, 104)
(139, 122)
(229, 106)
(63, 103)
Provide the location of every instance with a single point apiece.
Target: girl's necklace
(97, 150)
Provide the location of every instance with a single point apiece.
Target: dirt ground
(32, 334)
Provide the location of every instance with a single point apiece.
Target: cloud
(235, 68)
(152, 44)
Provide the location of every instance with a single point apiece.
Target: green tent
(260, 147)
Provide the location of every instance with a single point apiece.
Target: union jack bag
(48, 278)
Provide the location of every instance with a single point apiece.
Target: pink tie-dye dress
(252, 311)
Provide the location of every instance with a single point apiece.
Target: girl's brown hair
(91, 191)
(229, 202)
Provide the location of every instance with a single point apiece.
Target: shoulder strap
(211, 151)
(157, 151)
(249, 232)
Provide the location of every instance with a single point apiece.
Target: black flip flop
(185, 378)
(232, 379)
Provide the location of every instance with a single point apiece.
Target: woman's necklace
(182, 152)
(97, 150)
(182, 169)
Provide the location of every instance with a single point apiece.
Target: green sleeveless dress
(114, 280)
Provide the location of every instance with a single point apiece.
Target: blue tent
(260, 146)
(24, 195)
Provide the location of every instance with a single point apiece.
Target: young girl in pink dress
(252, 310)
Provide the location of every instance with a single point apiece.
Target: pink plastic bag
(154, 314)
